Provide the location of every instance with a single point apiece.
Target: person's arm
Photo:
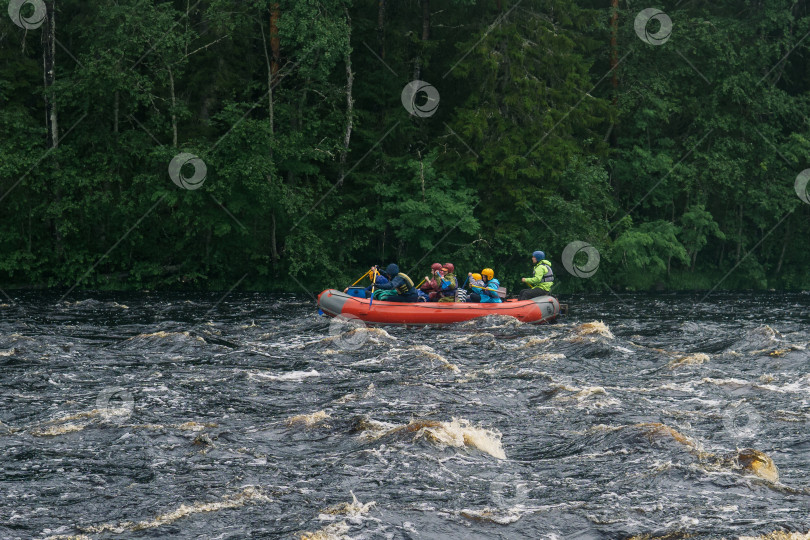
(393, 284)
(381, 280)
(492, 288)
(539, 272)
(487, 290)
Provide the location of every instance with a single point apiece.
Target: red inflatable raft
(542, 309)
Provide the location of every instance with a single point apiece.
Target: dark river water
(174, 416)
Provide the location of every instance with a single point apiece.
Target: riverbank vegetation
(544, 122)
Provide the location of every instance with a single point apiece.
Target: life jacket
(449, 285)
(549, 276)
(406, 287)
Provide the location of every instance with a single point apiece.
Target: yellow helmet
(476, 277)
(488, 273)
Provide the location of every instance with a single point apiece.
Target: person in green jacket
(540, 284)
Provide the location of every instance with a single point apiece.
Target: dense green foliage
(681, 173)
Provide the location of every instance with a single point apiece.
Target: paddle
(373, 282)
(361, 278)
(483, 288)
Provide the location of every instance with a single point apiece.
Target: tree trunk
(275, 41)
(174, 104)
(269, 63)
(669, 257)
(417, 72)
(349, 101)
(381, 29)
(51, 119)
(422, 174)
(739, 233)
(49, 69)
(117, 107)
(784, 249)
(614, 63)
(275, 47)
(425, 20)
(273, 247)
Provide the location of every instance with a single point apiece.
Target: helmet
(488, 273)
(539, 255)
(435, 266)
(476, 276)
(392, 270)
(450, 267)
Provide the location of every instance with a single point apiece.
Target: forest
(287, 145)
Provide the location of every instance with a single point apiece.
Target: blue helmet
(539, 255)
(392, 270)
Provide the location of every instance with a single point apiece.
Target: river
(180, 416)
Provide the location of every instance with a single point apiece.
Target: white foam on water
(801, 386)
(355, 511)
(493, 515)
(547, 357)
(166, 335)
(590, 331)
(333, 531)
(290, 376)
(250, 494)
(53, 431)
(308, 420)
(689, 360)
(586, 397)
(460, 433)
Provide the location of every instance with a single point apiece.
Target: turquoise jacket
(488, 296)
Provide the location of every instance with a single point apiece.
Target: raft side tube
(549, 307)
(332, 301)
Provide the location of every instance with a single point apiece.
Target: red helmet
(435, 266)
(450, 267)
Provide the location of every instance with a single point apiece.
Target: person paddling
(448, 284)
(377, 281)
(489, 292)
(432, 284)
(476, 284)
(399, 282)
(540, 283)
